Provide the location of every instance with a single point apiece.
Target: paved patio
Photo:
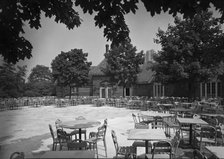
(27, 129)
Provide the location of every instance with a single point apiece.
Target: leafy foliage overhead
(123, 64)
(192, 50)
(109, 14)
(71, 68)
(12, 80)
(13, 15)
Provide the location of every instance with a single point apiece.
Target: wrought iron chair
(207, 136)
(63, 138)
(161, 149)
(17, 155)
(139, 125)
(198, 155)
(126, 151)
(97, 137)
(55, 139)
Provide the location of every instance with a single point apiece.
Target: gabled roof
(97, 70)
(145, 76)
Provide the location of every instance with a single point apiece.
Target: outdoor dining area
(171, 129)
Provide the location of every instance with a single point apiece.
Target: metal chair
(97, 137)
(139, 125)
(161, 149)
(198, 155)
(140, 143)
(126, 151)
(207, 136)
(55, 139)
(157, 123)
(63, 138)
(74, 133)
(17, 155)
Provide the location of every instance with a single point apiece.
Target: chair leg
(97, 151)
(105, 146)
(53, 147)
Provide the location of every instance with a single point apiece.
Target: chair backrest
(157, 123)
(105, 122)
(198, 155)
(17, 155)
(77, 144)
(51, 131)
(62, 135)
(134, 118)
(139, 117)
(208, 131)
(212, 121)
(141, 126)
(114, 137)
(219, 135)
(175, 141)
(162, 147)
(102, 131)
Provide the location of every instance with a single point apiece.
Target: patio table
(191, 121)
(79, 124)
(212, 115)
(181, 110)
(146, 135)
(153, 114)
(166, 106)
(68, 154)
(216, 150)
(186, 104)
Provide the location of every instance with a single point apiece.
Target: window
(211, 89)
(158, 90)
(127, 91)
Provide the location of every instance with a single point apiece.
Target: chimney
(107, 48)
(147, 56)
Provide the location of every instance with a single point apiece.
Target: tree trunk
(70, 92)
(123, 90)
(62, 91)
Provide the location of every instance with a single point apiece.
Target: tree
(13, 14)
(192, 51)
(20, 78)
(71, 68)
(109, 14)
(40, 81)
(123, 64)
(40, 73)
(12, 80)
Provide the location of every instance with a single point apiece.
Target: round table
(79, 124)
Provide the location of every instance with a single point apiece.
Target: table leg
(190, 135)
(146, 146)
(80, 134)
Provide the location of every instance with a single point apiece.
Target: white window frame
(158, 90)
(204, 91)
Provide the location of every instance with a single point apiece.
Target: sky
(52, 37)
